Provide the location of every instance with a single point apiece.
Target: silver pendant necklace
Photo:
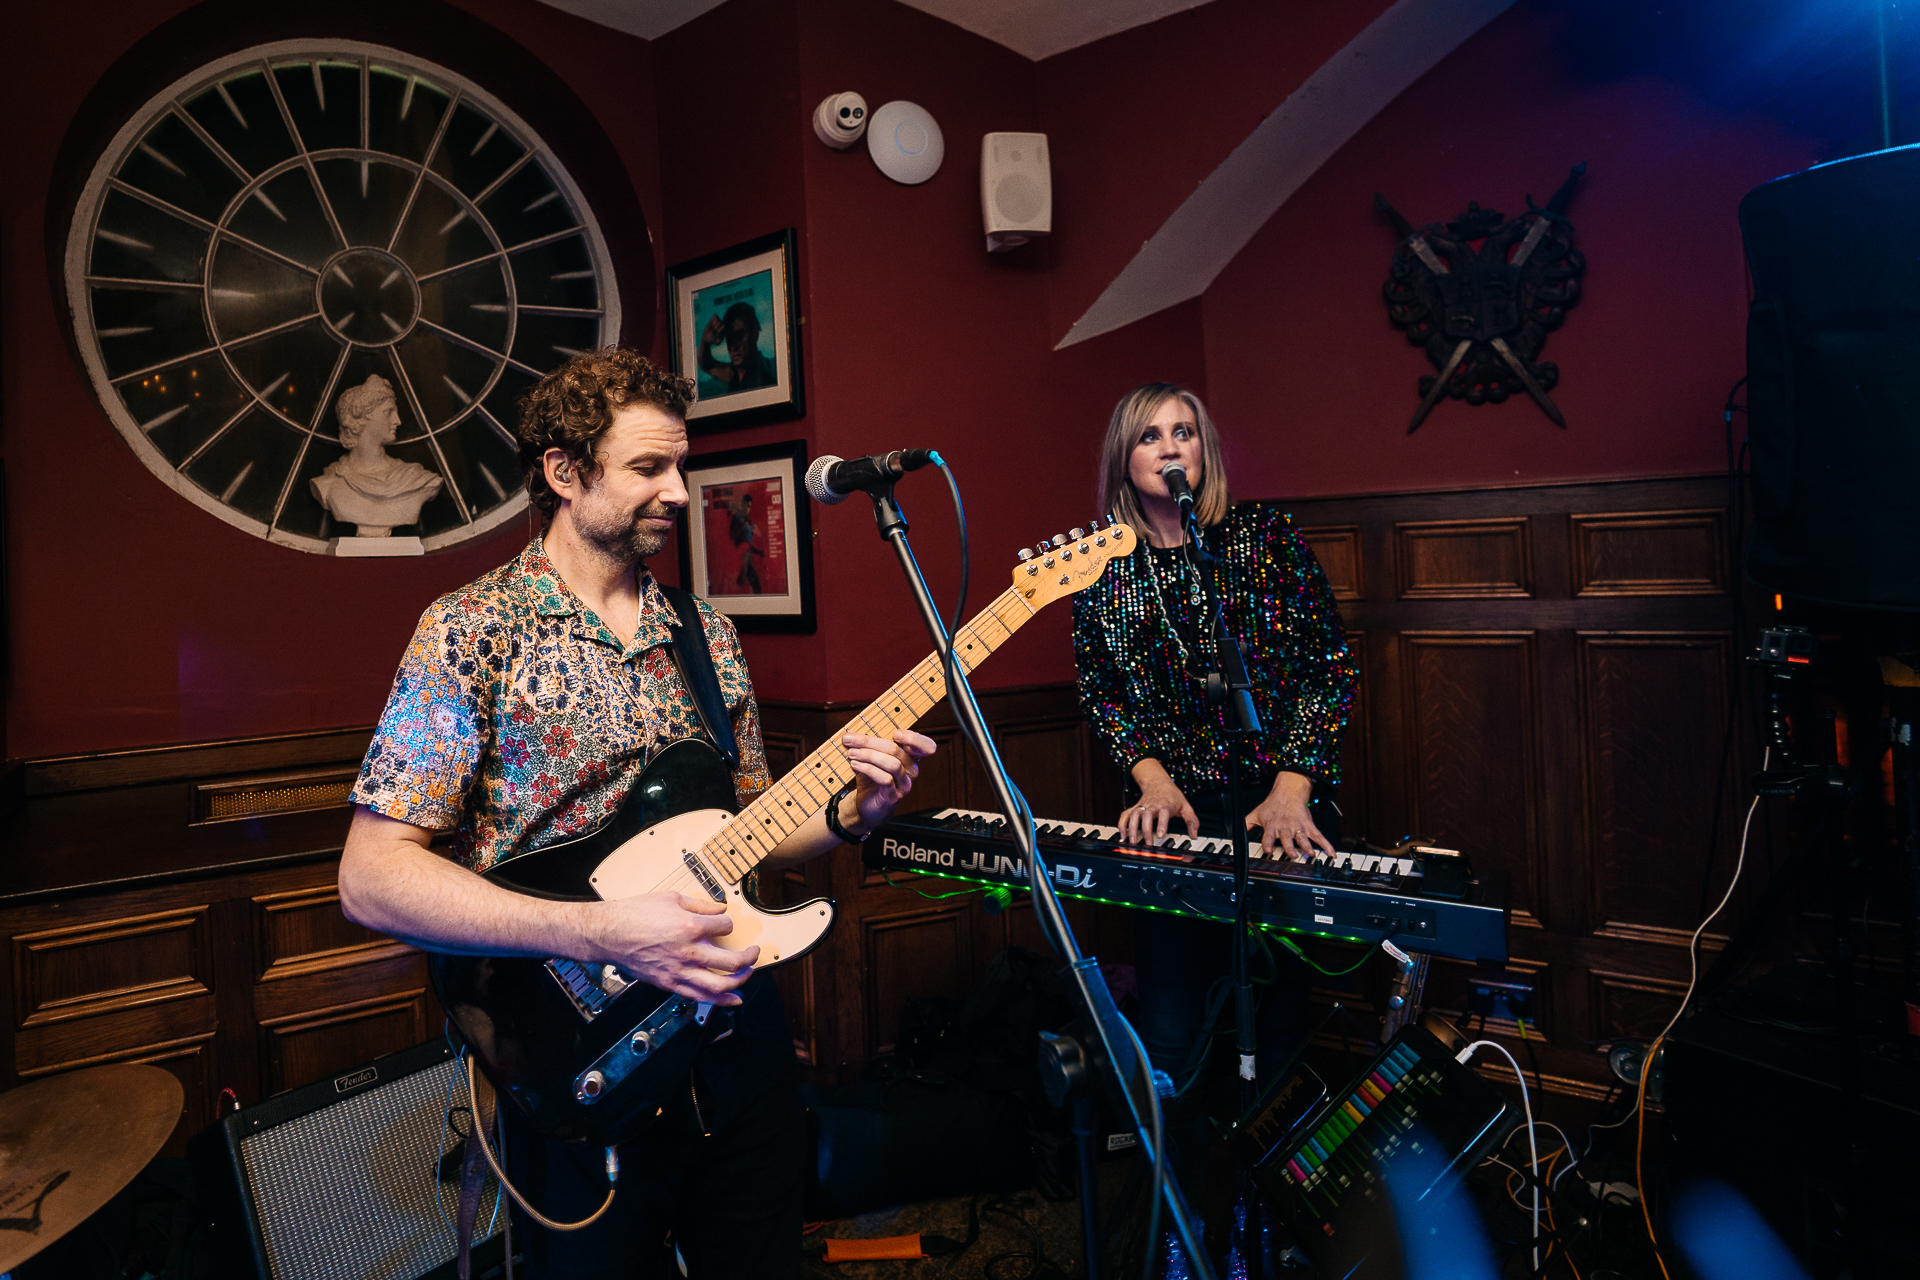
(1195, 597)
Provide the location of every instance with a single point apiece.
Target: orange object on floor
(874, 1250)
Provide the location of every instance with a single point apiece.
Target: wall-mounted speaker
(1016, 189)
(357, 1175)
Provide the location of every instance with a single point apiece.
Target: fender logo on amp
(353, 1080)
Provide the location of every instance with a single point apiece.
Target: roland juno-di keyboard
(1425, 898)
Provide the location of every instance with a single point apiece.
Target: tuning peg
(1026, 554)
(1059, 539)
(1075, 535)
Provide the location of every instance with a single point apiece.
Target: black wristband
(833, 816)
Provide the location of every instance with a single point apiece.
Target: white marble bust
(367, 488)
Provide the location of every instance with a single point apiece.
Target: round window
(298, 220)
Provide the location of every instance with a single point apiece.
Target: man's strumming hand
(669, 940)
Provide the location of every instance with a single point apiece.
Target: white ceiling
(1035, 29)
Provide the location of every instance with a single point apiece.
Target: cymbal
(69, 1142)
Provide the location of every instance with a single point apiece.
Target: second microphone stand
(1228, 686)
(1113, 1043)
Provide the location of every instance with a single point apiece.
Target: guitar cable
(480, 1132)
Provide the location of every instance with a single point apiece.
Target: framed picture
(736, 333)
(747, 548)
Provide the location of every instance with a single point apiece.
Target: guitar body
(585, 1055)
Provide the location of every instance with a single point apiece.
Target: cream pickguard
(666, 858)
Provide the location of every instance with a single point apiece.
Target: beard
(626, 539)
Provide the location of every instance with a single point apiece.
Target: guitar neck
(752, 835)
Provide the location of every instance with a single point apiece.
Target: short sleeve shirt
(518, 718)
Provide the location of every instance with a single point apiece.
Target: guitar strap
(695, 660)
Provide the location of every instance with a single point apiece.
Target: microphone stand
(1112, 1038)
(1228, 685)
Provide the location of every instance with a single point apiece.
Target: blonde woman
(1143, 645)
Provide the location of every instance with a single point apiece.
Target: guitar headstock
(1070, 562)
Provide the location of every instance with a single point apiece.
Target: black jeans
(721, 1170)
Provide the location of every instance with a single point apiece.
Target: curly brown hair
(572, 407)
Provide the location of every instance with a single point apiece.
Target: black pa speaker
(1833, 380)
(357, 1175)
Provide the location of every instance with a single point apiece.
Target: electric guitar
(586, 1052)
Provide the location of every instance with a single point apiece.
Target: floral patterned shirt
(518, 718)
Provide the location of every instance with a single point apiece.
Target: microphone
(1176, 477)
(831, 479)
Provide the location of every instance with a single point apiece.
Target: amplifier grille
(351, 1190)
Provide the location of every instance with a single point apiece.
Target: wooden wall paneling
(798, 979)
(943, 778)
(99, 770)
(60, 1046)
(301, 1048)
(1653, 720)
(236, 1047)
(785, 751)
(1047, 759)
(1563, 892)
(302, 931)
(1463, 559)
(1338, 549)
(1389, 814)
(1548, 538)
(1104, 931)
(907, 956)
(1630, 1006)
(1471, 770)
(86, 970)
(1650, 553)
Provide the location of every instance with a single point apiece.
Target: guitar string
(722, 848)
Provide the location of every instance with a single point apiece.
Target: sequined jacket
(1138, 695)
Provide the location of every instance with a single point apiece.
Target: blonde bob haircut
(1130, 418)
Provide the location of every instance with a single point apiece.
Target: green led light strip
(1262, 925)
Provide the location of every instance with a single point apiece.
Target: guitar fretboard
(756, 831)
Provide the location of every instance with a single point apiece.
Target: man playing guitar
(525, 709)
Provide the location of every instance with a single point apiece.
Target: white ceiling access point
(1214, 223)
(1034, 29)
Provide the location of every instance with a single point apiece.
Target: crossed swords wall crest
(1481, 293)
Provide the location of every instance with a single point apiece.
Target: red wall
(914, 335)
(1317, 388)
(135, 617)
(1139, 120)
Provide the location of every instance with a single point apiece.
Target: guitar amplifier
(1415, 1120)
(350, 1176)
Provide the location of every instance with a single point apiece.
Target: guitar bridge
(587, 989)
